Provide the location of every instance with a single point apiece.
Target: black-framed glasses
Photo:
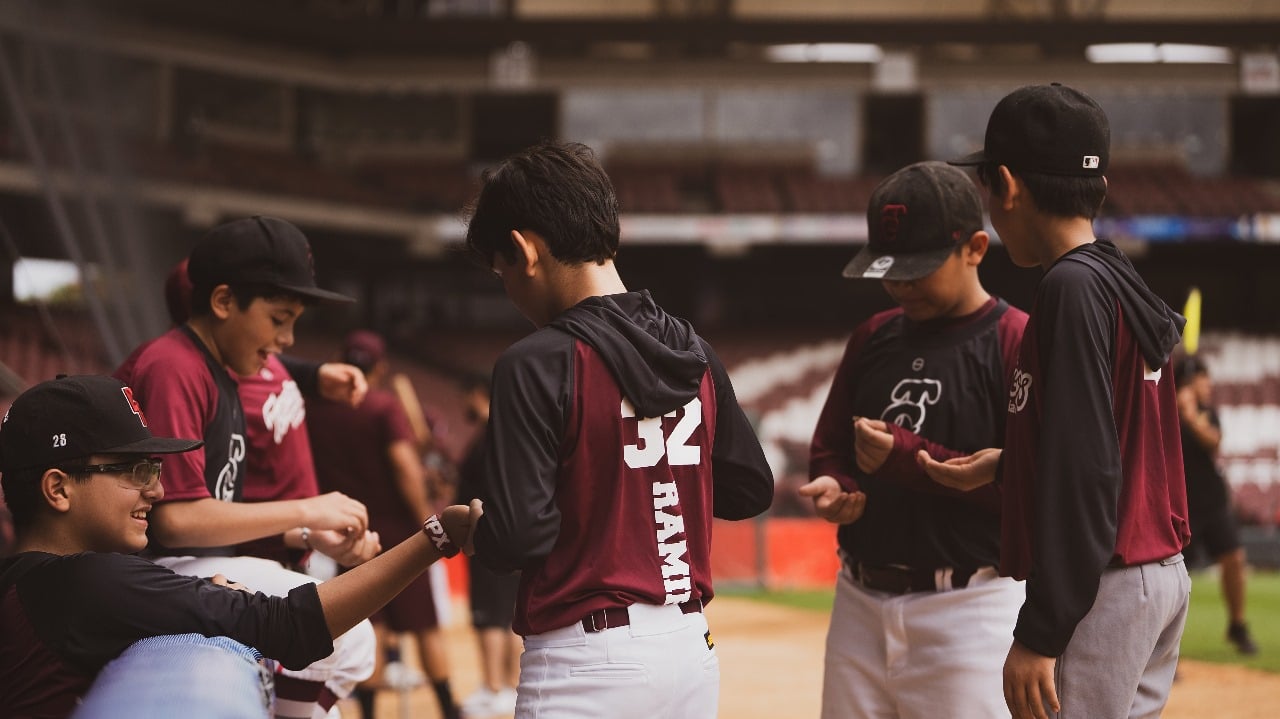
(139, 474)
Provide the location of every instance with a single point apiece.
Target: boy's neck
(575, 283)
(203, 328)
(49, 540)
(1056, 236)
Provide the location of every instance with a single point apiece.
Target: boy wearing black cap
(921, 616)
(251, 280)
(81, 473)
(1095, 506)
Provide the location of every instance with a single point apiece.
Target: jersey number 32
(651, 446)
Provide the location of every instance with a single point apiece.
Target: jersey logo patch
(1019, 391)
(911, 398)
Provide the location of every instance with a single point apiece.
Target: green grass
(1205, 635)
(1203, 640)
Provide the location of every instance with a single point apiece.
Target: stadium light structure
(854, 52)
(1142, 52)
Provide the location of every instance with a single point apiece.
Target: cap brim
(869, 264)
(155, 445)
(973, 158)
(316, 293)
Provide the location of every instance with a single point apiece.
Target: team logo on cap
(878, 268)
(1091, 162)
(133, 404)
(891, 220)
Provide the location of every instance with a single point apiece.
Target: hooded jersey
(1092, 467)
(614, 437)
(939, 385)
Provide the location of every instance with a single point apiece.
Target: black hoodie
(546, 464)
(1092, 465)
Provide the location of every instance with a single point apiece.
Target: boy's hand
(343, 383)
(833, 503)
(336, 511)
(872, 444)
(460, 524)
(963, 473)
(348, 550)
(222, 581)
(1028, 683)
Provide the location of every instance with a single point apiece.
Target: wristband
(435, 532)
(306, 538)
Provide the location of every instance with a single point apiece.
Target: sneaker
(401, 676)
(1238, 634)
(505, 701)
(480, 704)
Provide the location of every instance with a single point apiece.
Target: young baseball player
(81, 472)
(1095, 511)
(370, 453)
(920, 612)
(614, 437)
(1213, 528)
(251, 280)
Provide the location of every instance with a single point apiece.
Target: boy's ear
(977, 247)
(55, 489)
(527, 250)
(222, 301)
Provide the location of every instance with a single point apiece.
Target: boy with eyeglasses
(81, 474)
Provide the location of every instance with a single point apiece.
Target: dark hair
(1057, 195)
(557, 190)
(244, 296)
(22, 492)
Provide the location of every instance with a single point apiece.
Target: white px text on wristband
(435, 532)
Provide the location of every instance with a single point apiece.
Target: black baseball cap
(71, 418)
(915, 219)
(1051, 129)
(257, 251)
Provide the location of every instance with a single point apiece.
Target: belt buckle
(605, 619)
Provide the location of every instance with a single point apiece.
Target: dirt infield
(771, 668)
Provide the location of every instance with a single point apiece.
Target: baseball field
(771, 658)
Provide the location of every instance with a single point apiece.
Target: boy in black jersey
(921, 619)
(1095, 506)
(614, 437)
(81, 472)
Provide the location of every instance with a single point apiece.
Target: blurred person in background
(1214, 534)
(371, 453)
(492, 595)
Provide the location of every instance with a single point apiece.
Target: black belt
(602, 619)
(904, 580)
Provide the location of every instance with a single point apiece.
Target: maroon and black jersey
(1092, 466)
(62, 618)
(941, 386)
(185, 392)
(614, 437)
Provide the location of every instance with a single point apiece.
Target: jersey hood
(1157, 328)
(657, 360)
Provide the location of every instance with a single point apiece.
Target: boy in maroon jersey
(614, 437)
(1095, 505)
(920, 616)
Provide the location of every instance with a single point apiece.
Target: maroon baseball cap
(257, 251)
(71, 418)
(364, 349)
(915, 219)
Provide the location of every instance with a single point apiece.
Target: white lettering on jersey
(910, 399)
(225, 489)
(675, 570)
(1019, 391)
(285, 411)
(1150, 375)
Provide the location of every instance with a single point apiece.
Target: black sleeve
(1078, 469)
(527, 417)
(742, 480)
(91, 607)
(304, 372)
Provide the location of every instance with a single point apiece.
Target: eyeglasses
(141, 475)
